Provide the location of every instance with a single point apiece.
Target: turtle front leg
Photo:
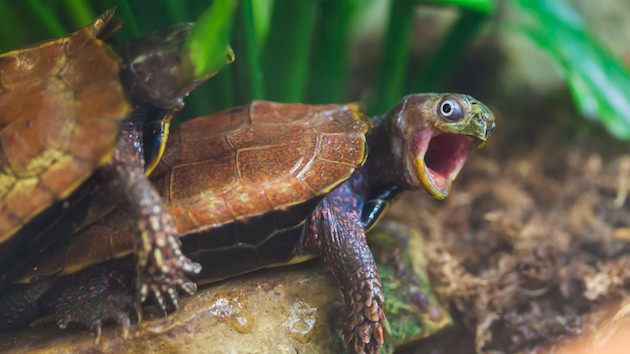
(161, 266)
(335, 231)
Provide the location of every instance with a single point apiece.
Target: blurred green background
(372, 51)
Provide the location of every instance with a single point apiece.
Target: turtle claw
(125, 323)
(163, 286)
(162, 267)
(92, 298)
(97, 326)
(137, 306)
(189, 287)
(363, 332)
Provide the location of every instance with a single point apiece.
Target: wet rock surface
(282, 310)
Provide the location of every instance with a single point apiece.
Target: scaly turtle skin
(271, 184)
(78, 126)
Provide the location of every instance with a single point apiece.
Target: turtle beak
(439, 158)
(480, 126)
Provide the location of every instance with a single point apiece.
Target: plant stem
(10, 19)
(130, 25)
(46, 18)
(285, 59)
(248, 79)
(81, 13)
(395, 58)
(328, 74)
(177, 10)
(438, 66)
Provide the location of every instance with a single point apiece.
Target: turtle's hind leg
(92, 297)
(335, 231)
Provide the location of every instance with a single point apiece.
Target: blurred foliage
(208, 42)
(599, 82)
(286, 50)
(482, 6)
(302, 51)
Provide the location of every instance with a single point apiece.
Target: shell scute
(288, 192)
(22, 202)
(101, 101)
(220, 124)
(201, 150)
(60, 178)
(346, 149)
(92, 64)
(256, 136)
(247, 200)
(270, 164)
(325, 175)
(207, 213)
(94, 140)
(336, 119)
(31, 138)
(62, 103)
(9, 222)
(27, 65)
(209, 177)
(272, 112)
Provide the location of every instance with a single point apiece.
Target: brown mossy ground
(534, 236)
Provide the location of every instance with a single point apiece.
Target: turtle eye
(450, 110)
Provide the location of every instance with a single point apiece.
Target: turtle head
(154, 67)
(433, 133)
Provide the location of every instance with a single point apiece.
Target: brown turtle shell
(61, 104)
(241, 180)
(257, 158)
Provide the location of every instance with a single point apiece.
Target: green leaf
(441, 63)
(208, 42)
(10, 40)
(47, 18)
(176, 12)
(287, 49)
(482, 6)
(130, 25)
(328, 74)
(394, 57)
(248, 77)
(81, 12)
(599, 82)
(262, 19)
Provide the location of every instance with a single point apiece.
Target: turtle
(80, 125)
(270, 184)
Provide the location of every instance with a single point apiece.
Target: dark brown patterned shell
(61, 104)
(239, 184)
(257, 158)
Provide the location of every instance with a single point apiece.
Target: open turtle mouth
(439, 158)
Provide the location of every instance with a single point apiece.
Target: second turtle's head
(155, 70)
(433, 134)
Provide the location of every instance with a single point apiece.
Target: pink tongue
(439, 180)
(445, 154)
